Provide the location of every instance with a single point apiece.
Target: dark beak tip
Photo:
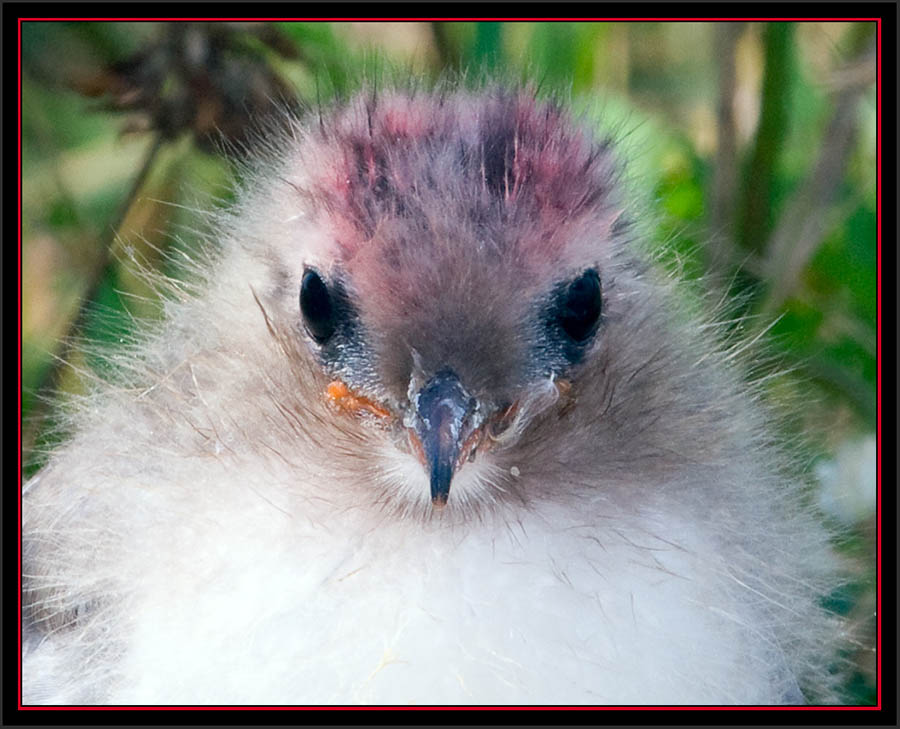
(442, 407)
(440, 490)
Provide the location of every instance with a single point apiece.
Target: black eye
(579, 307)
(318, 307)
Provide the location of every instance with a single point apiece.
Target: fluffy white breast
(248, 603)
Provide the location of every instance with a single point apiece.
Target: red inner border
(877, 706)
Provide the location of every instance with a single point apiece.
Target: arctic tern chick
(431, 430)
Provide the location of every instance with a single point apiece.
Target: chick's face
(461, 287)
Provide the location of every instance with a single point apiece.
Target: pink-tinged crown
(513, 172)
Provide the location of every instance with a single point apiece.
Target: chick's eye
(579, 309)
(317, 307)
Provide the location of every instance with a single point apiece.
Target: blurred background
(754, 142)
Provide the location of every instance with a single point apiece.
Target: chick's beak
(445, 420)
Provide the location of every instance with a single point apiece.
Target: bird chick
(431, 430)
